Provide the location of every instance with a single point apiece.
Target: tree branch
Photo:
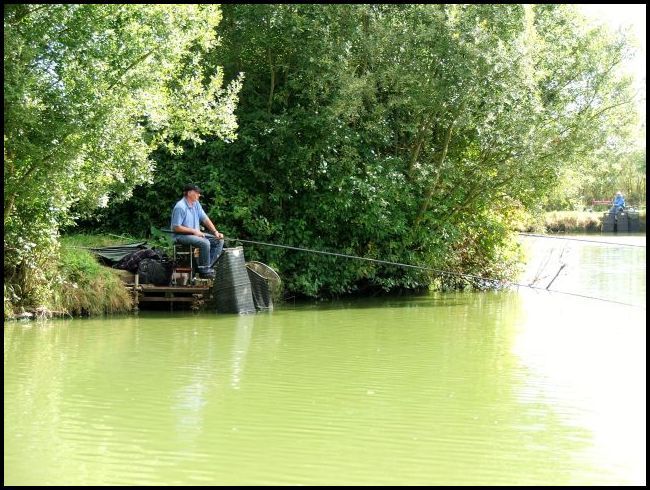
(28, 12)
(128, 68)
(272, 68)
(430, 190)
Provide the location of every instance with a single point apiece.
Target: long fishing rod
(430, 269)
(619, 244)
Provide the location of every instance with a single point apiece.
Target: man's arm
(211, 228)
(186, 230)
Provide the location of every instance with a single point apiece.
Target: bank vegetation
(407, 133)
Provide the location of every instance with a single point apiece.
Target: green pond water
(512, 387)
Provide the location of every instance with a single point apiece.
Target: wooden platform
(195, 295)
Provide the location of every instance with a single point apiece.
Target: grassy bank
(570, 222)
(89, 288)
(77, 284)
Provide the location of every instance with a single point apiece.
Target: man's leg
(216, 246)
(203, 244)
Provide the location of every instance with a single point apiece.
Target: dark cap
(192, 187)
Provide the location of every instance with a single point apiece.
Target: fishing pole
(431, 269)
(584, 240)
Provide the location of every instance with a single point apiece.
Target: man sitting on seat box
(186, 218)
(618, 204)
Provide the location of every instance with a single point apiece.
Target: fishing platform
(624, 221)
(193, 295)
(237, 287)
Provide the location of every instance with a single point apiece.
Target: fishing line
(583, 240)
(430, 269)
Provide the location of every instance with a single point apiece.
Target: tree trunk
(415, 154)
(9, 206)
(272, 68)
(429, 194)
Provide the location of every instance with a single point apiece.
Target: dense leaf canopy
(407, 133)
(89, 92)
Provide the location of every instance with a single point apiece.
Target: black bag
(131, 261)
(155, 271)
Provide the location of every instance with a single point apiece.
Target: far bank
(572, 222)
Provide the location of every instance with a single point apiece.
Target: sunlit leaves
(90, 92)
(406, 132)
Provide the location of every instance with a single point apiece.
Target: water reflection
(512, 387)
(589, 359)
(614, 271)
(244, 331)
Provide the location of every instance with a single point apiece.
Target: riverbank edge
(79, 286)
(571, 222)
(90, 289)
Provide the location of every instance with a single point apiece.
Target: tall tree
(409, 133)
(89, 92)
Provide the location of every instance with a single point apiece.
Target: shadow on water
(509, 387)
(434, 389)
(412, 300)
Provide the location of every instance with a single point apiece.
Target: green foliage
(161, 240)
(572, 221)
(622, 170)
(87, 288)
(406, 133)
(93, 240)
(597, 110)
(90, 92)
(70, 282)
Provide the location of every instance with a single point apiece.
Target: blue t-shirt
(186, 215)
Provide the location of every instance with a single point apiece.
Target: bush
(88, 288)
